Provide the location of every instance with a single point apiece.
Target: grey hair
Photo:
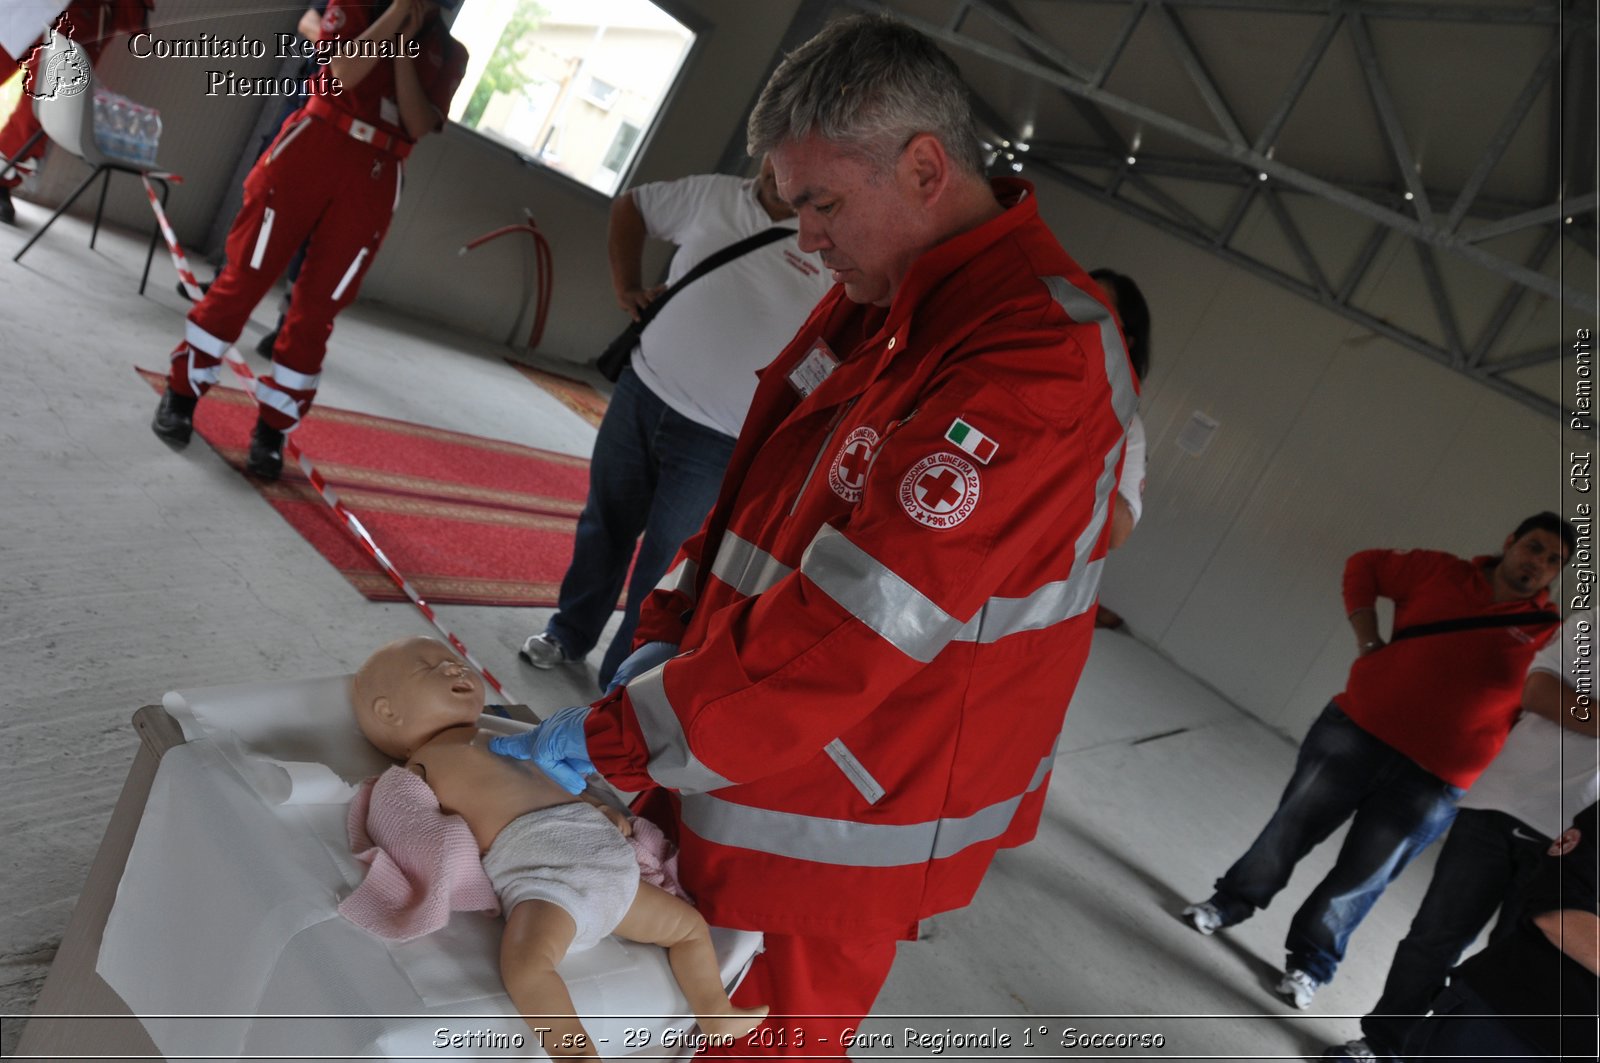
(868, 84)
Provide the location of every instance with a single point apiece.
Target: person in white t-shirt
(1502, 829)
(1128, 503)
(669, 429)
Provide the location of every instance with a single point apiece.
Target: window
(585, 76)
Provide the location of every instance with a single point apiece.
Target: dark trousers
(1488, 857)
(655, 473)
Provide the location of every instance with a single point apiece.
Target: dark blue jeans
(1487, 859)
(1398, 809)
(654, 472)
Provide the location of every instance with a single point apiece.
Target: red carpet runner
(469, 521)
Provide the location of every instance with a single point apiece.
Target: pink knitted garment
(657, 857)
(422, 864)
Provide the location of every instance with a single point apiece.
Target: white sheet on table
(227, 905)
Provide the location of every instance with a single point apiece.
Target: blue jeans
(654, 472)
(1342, 771)
(1487, 859)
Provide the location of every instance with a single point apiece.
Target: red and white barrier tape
(363, 538)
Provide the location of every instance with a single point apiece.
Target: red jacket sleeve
(1393, 574)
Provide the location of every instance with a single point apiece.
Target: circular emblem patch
(848, 473)
(940, 491)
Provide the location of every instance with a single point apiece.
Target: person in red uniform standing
(1420, 717)
(92, 24)
(333, 176)
(883, 619)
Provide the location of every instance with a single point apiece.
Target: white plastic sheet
(225, 938)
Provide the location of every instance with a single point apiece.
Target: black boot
(266, 453)
(265, 345)
(174, 420)
(8, 213)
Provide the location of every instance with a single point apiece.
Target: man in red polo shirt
(1420, 717)
(333, 175)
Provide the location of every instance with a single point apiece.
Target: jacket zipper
(833, 429)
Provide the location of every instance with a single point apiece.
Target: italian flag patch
(972, 441)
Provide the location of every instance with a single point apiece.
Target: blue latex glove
(557, 747)
(641, 661)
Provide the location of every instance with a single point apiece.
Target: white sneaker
(1349, 1052)
(1204, 917)
(1298, 988)
(542, 651)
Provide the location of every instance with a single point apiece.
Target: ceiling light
(1132, 159)
(1409, 197)
(1261, 177)
(1021, 146)
(1016, 167)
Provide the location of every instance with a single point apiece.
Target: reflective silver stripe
(350, 274)
(874, 594)
(1082, 307)
(1045, 607)
(295, 380)
(859, 776)
(672, 764)
(746, 567)
(202, 377)
(893, 608)
(680, 578)
(271, 397)
(203, 341)
(847, 843)
(399, 183)
(262, 237)
(284, 143)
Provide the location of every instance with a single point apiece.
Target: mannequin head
(410, 691)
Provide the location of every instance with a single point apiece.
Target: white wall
(1332, 440)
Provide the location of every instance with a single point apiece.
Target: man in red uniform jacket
(332, 176)
(884, 617)
(1420, 717)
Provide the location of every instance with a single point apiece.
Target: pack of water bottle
(126, 131)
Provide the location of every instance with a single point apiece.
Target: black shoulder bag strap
(1470, 623)
(616, 353)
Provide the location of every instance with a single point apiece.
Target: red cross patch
(848, 473)
(940, 491)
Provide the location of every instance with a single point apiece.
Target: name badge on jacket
(813, 369)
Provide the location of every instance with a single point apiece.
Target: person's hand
(412, 12)
(634, 300)
(640, 661)
(557, 747)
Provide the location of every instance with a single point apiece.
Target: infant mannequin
(417, 702)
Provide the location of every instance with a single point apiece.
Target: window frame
(691, 20)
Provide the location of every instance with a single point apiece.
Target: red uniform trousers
(94, 22)
(816, 987)
(314, 181)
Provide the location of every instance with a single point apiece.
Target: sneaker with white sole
(1349, 1052)
(1204, 917)
(1298, 987)
(542, 651)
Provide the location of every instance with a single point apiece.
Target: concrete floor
(128, 569)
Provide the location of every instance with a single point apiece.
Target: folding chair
(68, 119)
